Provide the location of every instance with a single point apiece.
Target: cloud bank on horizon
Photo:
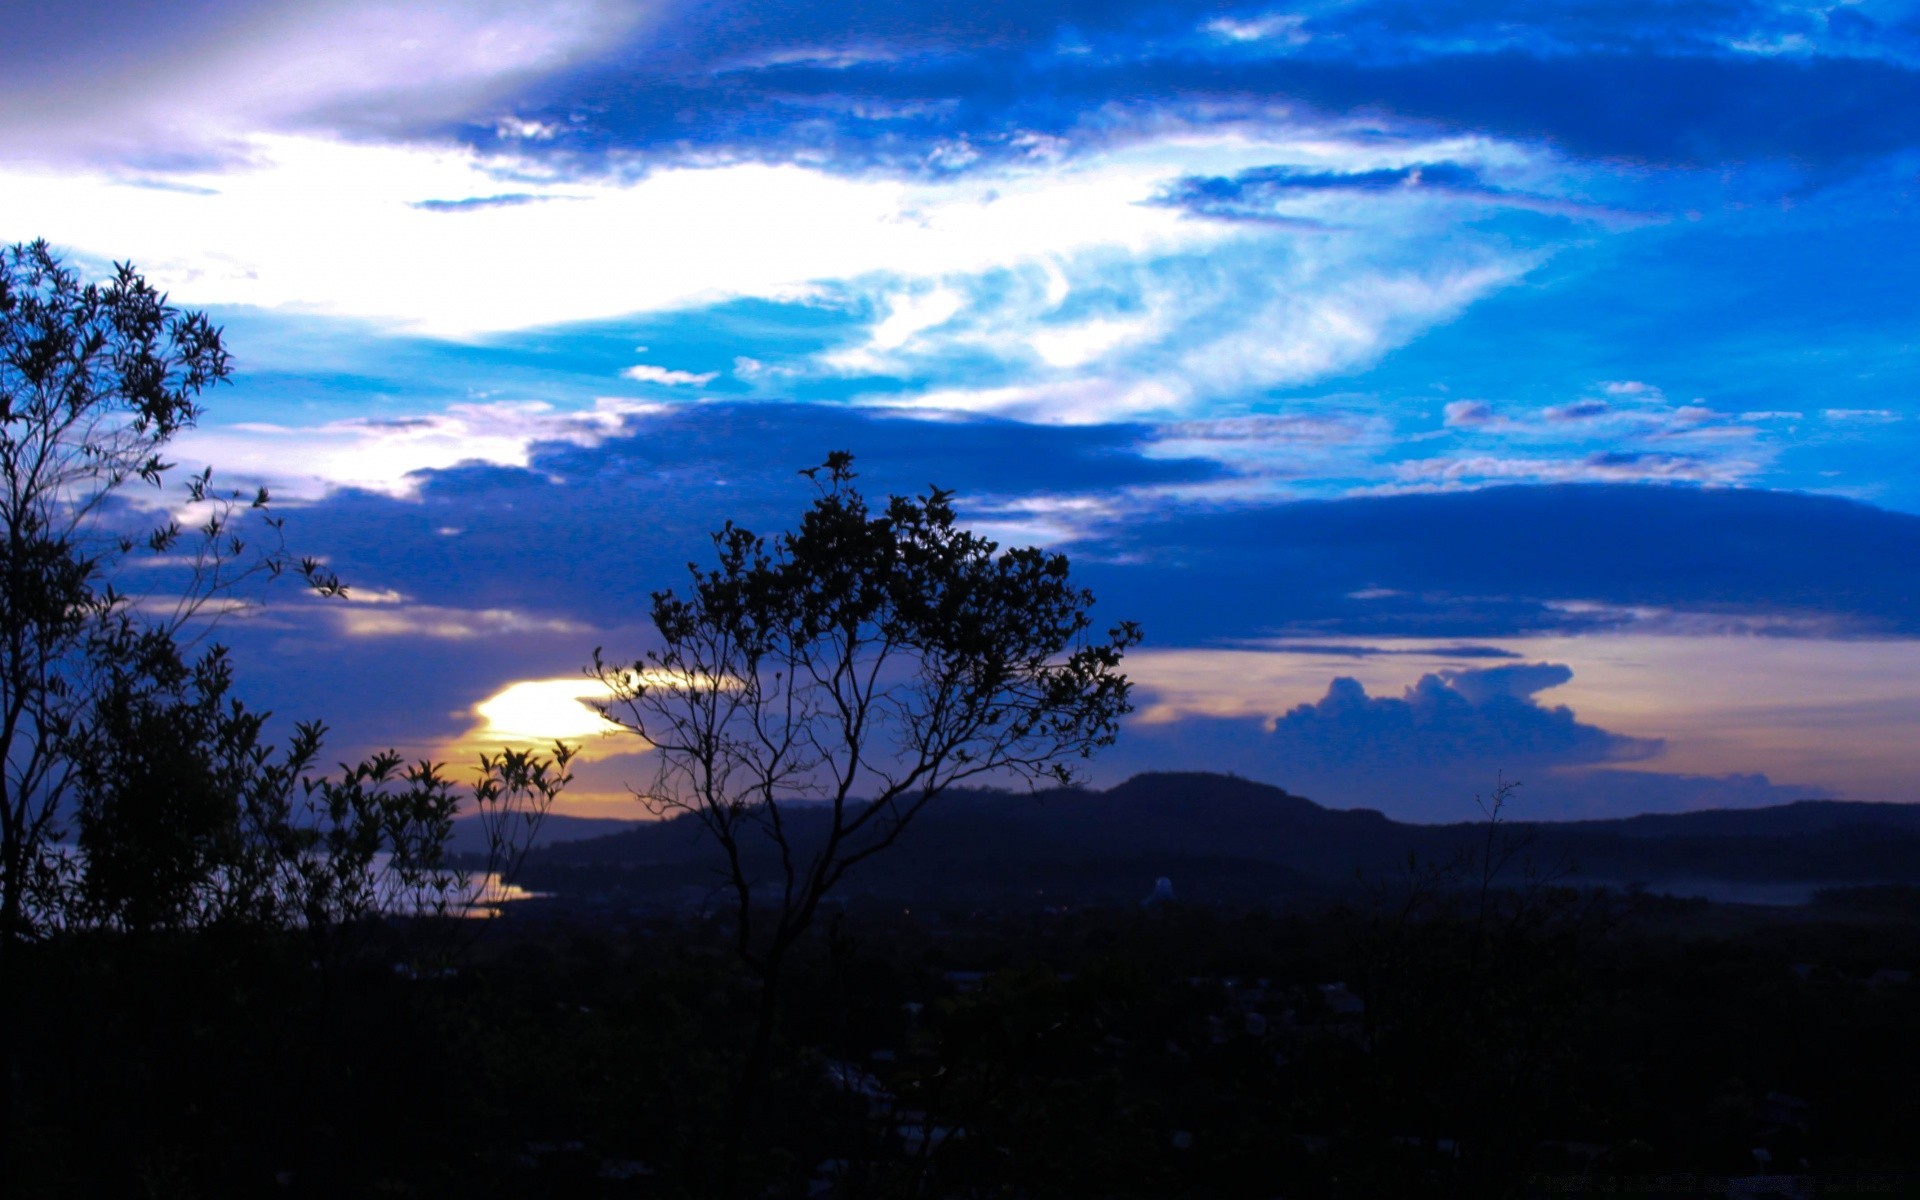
(1248, 306)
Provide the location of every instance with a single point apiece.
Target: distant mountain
(1225, 838)
(469, 837)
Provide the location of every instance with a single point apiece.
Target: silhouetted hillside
(469, 837)
(1221, 837)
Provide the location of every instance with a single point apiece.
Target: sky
(1454, 390)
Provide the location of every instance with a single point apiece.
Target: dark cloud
(939, 85)
(47, 40)
(1644, 107)
(1508, 560)
(1251, 195)
(931, 88)
(1583, 410)
(591, 531)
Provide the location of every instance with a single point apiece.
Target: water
(472, 895)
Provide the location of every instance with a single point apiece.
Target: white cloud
(202, 84)
(1098, 336)
(320, 225)
(1630, 387)
(1083, 297)
(643, 373)
(1069, 401)
(1077, 344)
(380, 455)
(1279, 27)
(446, 624)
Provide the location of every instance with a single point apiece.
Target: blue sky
(1450, 389)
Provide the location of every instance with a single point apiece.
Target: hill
(1220, 837)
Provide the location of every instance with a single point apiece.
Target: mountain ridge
(1227, 837)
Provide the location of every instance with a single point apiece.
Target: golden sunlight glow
(543, 710)
(535, 713)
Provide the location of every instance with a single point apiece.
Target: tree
(95, 380)
(186, 815)
(812, 695)
(188, 818)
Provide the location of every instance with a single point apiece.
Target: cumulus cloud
(1425, 754)
(1484, 716)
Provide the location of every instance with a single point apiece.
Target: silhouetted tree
(812, 694)
(95, 380)
(186, 815)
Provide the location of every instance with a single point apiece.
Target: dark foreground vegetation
(1427, 1042)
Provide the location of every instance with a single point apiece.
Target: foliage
(860, 666)
(189, 819)
(187, 815)
(95, 380)
(865, 662)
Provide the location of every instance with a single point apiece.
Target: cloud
(536, 713)
(643, 373)
(1468, 414)
(375, 238)
(1345, 650)
(1100, 336)
(1474, 716)
(1425, 754)
(540, 560)
(393, 455)
(448, 624)
(192, 82)
(1159, 520)
(617, 508)
(1579, 410)
(1508, 559)
(1599, 466)
(947, 87)
(1309, 199)
(1624, 413)
(474, 203)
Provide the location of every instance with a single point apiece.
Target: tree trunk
(753, 1078)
